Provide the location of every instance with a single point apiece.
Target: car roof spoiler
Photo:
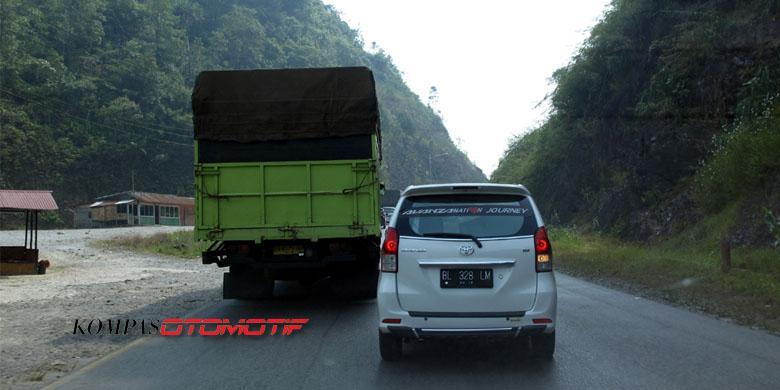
(478, 188)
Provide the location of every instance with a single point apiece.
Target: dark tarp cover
(284, 104)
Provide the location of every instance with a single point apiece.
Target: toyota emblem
(466, 250)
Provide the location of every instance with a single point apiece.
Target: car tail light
(542, 321)
(388, 261)
(391, 321)
(543, 251)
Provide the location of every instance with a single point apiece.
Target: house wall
(187, 215)
(108, 214)
(169, 221)
(81, 217)
(170, 215)
(145, 219)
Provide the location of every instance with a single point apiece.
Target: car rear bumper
(436, 324)
(405, 331)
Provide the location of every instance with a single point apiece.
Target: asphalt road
(606, 339)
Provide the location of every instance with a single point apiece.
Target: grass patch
(179, 244)
(687, 273)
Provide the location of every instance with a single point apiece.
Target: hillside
(94, 94)
(667, 121)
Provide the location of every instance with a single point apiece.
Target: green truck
(286, 177)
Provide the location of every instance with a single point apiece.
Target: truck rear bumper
(322, 254)
(221, 260)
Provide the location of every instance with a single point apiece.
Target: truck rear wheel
(247, 284)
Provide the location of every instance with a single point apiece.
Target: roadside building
(82, 217)
(142, 208)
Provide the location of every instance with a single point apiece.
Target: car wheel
(390, 347)
(543, 345)
(366, 283)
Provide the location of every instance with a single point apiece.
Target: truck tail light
(388, 260)
(543, 250)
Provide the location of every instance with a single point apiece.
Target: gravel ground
(38, 312)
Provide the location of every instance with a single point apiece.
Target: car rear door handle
(439, 263)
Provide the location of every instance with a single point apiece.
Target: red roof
(27, 200)
(163, 199)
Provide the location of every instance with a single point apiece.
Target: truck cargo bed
(287, 200)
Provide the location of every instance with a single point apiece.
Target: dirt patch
(38, 312)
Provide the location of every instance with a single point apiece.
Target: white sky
(490, 60)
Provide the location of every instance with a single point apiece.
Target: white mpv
(466, 259)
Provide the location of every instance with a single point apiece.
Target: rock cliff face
(665, 119)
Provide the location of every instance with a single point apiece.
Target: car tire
(366, 284)
(390, 347)
(543, 345)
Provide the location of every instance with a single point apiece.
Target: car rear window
(478, 215)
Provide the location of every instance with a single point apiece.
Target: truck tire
(543, 345)
(247, 285)
(391, 348)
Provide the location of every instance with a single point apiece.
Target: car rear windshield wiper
(454, 235)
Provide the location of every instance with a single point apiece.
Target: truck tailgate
(284, 200)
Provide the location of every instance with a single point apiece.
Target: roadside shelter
(17, 260)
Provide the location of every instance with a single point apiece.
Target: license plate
(287, 250)
(466, 278)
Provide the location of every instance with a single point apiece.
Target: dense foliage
(671, 109)
(94, 94)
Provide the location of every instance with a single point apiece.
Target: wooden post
(725, 255)
(26, 226)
